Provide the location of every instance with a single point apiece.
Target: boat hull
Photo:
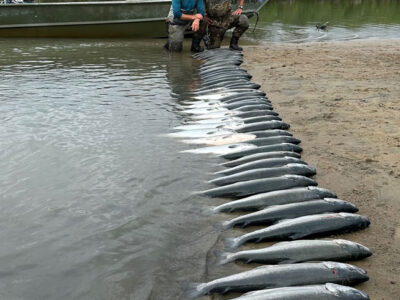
(102, 19)
(145, 29)
(85, 19)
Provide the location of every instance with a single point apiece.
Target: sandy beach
(342, 99)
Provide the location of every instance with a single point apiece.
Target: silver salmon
(268, 277)
(298, 251)
(297, 228)
(251, 187)
(262, 163)
(258, 156)
(263, 149)
(293, 169)
(275, 213)
(263, 200)
(328, 291)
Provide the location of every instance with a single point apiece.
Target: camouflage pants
(218, 27)
(176, 34)
(177, 29)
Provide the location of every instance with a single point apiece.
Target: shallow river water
(294, 21)
(95, 201)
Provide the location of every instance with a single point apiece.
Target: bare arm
(196, 20)
(191, 17)
(239, 10)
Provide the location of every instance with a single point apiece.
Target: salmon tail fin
(223, 225)
(208, 210)
(231, 243)
(221, 257)
(197, 193)
(205, 193)
(194, 290)
(216, 209)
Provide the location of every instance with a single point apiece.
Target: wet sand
(342, 100)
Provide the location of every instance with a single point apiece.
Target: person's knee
(175, 38)
(244, 21)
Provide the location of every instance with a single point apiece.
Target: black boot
(206, 41)
(196, 45)
(234, 44)
(166, 46)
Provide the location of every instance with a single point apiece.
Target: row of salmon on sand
(264, 177)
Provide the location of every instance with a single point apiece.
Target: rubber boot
(234, 44)
(196, 45)
(206, 41)
(166, 46)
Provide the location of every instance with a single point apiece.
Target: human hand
(208, 20)
(196, 25)
(198, 16)
(237, 12)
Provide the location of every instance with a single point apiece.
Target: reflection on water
(295, 20)
(95, 202)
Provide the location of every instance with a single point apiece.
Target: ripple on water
(91, 191)
(295, 21)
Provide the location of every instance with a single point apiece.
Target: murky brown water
(95, 203)
(294, 21)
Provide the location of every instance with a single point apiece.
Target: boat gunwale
(144, 3)
(80, 23)
(87, 3)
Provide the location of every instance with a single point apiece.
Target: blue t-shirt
(187, 5)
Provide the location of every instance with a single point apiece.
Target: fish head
(365, 222)
(342, 205)
(321, 192)
(293, 165)
(346, 273)
(357, 220)
(345, 292)
(363, 251)
(357, 250)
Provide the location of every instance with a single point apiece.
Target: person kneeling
(185, 14)
(220, 18)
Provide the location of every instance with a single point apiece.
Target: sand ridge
(342, 99)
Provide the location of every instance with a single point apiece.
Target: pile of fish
(266, 179)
